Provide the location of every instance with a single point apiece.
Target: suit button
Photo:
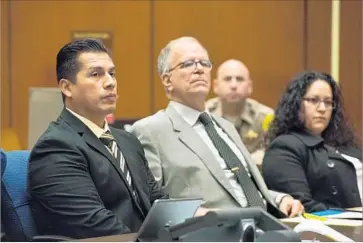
(334, 190)
(330, 163)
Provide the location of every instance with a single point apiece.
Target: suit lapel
(96, 144)
(332, 153)
(255, 173)
(189, 137)
(313, 141)
(352, 151)
(124, 147)
(86, 134)
(335, 154)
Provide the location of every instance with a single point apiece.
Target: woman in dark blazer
(312, 154)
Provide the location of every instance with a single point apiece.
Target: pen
(311, 216)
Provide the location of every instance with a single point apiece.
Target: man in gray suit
(195, 154)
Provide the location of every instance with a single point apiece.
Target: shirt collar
(98, 131)
(190, 115)
(308, 139)
(247, 113)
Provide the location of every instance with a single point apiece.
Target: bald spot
(185, 44)
(232, 67)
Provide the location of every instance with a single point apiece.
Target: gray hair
(163, 59)
(164, 56)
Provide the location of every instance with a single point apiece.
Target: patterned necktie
(233, 163)
(108, 140)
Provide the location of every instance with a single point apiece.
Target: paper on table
(330, 221)
(320, 228)
(346, 215)
(358, 209)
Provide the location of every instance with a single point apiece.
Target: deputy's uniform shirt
(248, 124)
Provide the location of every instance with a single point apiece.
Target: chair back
(3, 163)
(9, 140)
(15, 211)
(3, 166)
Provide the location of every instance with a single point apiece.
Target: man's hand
(202, 211)
(291, 207)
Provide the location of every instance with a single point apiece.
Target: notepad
(340, 214)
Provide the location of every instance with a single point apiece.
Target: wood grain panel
(318, 35)
(351, 61)
(41, 28)
(266, 35)
(5, 119)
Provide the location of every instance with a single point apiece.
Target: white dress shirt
(98, 131)
(191, 117)
(358, 168)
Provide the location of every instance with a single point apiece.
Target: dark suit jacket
(303, 166)
(77, 189)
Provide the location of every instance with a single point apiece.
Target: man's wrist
(279, 198)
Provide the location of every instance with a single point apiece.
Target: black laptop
(166, 211)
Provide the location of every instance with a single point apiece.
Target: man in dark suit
(87, 179)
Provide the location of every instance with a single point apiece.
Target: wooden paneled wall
(275, 39)
(39, 29)
(266, 35)
(317, 30)
(4, 69)
(351, 63)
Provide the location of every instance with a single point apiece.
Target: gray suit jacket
(183, 164)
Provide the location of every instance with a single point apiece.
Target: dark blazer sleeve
(283, 169)
(59, 180)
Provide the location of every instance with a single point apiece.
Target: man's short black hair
(67, 66)
(67, 57)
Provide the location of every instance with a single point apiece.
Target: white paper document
(346, 215)
(322, 229)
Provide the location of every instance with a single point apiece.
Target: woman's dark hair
(287, 115)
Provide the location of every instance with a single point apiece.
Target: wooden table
(112, 238)
(355, 233)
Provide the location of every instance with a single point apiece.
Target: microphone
(110, 118)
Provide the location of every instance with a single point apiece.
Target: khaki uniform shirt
(248, 124)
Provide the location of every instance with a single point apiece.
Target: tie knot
(205, 118)
(107, 138)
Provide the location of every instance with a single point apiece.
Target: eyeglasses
(192, 65)
(315, 101)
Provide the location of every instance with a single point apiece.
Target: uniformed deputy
(233, 86)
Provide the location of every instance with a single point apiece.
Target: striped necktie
(234, 164)
(110, 142)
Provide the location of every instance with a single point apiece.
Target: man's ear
(166, 79)
(250, 88)
(66, 87)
